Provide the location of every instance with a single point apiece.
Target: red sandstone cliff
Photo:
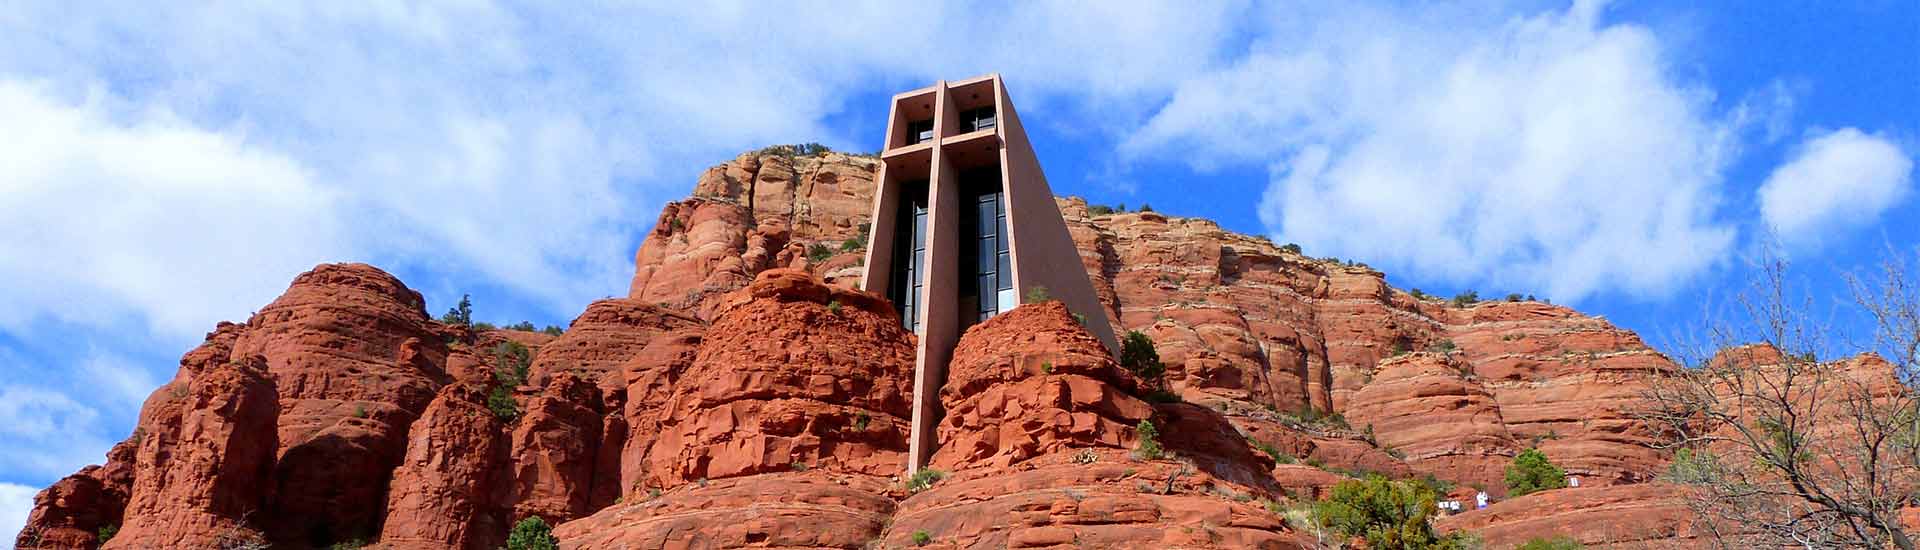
(743, 395)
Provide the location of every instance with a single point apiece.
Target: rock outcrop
(742, 394)
(203, 454)
(776, 429)
(793, 374)
(1646, 515)
(449, 486)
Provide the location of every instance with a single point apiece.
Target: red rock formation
(755, 213)
(204, 452)
(334, 343)
(792, 374)
(448, 488)
(1038, 422)
(814, 509)
(1432, 408)
(555, 449)
(607, 334)
(641, 395)
(1030, 382)
(1648, 515)
(71, 513)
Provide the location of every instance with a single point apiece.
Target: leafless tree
(1780, 447)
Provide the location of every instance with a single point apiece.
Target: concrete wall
(1044, 254)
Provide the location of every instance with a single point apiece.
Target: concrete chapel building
(964, 227)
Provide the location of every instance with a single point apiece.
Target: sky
(167, 167)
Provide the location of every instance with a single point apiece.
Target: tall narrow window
(910, 254)
(988, 289)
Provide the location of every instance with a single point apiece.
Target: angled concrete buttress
(964, 227)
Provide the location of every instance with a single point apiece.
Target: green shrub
(1308, 415)
(501, 402)
(1291, 247)
(1138, 355)
(510, 362)
(1388, 514)
(833, 306)
(1465, 299)
(349, 544)
(532, 533)
(924, 479)
(1149, 445)
(1530, 472)
(819, 253)
(1419, 295)
(1513, 297)
(1099, 210)
(553, 330)
(484, 326)
(1691, 466)
(921, 538)
(105, 534)
(1271, 451)
(1561, 542)
(1144, 207)
(460, 314)
(1443, 346)
(525, 326)
(852, 244)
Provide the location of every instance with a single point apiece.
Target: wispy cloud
(1549, 153)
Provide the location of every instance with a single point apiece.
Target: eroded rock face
(1620, 516)
(555, 450)
(792, 374)
(335, 344)
(70, 513)
(761, 211)
(1433, 409)
(1030, 382)
(814, 509)
(447, 492)
(205, 452)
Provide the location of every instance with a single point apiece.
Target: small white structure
(1573, 481)
(1480, 500)
(1451, 506)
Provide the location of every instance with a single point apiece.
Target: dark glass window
(988, 289)
(977, 119)
(910, 254)
(919, 130)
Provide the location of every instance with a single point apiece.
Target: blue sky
(171, 168)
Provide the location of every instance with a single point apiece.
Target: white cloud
(16, 501)
(1834, 181)
(1550, 154)
(202, 155)
(48, 434)
(146, 214)
(171, 166)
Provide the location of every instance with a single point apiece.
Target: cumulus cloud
(144, 214)
(168, 167)
(202, 155)
(1834, 181)
(1551, 153)
(16, 501)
